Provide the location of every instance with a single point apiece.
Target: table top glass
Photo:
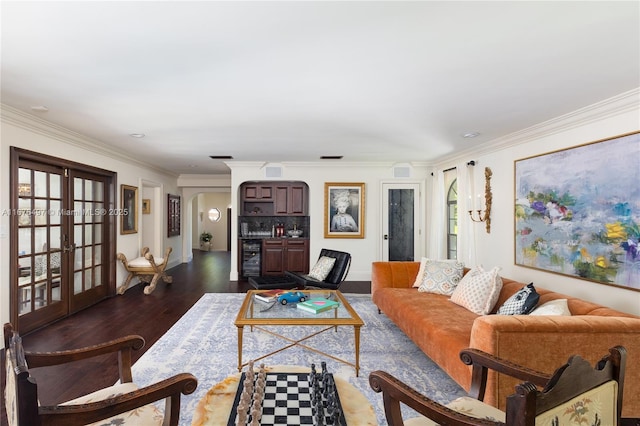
(257, 312)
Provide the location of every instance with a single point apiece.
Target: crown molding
(23, 120)
(625, 102)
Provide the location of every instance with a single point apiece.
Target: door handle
(386, 237)
(69, 249)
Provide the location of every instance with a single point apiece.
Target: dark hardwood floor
(132, 313)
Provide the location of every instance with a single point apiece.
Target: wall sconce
(486, 216)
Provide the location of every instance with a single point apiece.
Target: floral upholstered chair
(122, 404)
(576, 394)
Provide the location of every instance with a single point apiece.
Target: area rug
(204, 342)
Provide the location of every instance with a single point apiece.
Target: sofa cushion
(520, 303)
(478, 291)
(553, 307)
(441, 276)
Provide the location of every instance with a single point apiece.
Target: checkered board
(287, 401)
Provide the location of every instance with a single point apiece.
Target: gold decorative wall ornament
(486, 216)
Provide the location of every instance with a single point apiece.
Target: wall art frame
(344, 210)
(146, 206)
(128, 209)
(173, 215)
(577, 211)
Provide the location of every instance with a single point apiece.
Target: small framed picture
(129, 213)
(343, 210)
(146, 206)
(173, 215)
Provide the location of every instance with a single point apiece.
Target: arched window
(452, 220)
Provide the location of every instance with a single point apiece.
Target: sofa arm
(393, 275)
(546, 342)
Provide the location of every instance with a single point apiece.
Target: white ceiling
(291, 81)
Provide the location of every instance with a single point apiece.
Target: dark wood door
(62, 239)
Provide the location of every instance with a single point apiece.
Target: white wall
(363, 251)
(607, 119)
(28, 132)
(220, 201)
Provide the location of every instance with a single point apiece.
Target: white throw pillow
(441, 276)
(321, 269)
(553, 307)
(420, 275)
(479, 290)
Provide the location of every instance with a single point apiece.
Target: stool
(270, 282)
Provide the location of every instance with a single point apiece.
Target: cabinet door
(273, 257)
(297, 256)
(258, 192)
(281, 199)
(296, 200)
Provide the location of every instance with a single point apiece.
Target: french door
(61, 238)
(401, 233)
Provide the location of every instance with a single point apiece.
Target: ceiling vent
(273, 171)
(401, 172)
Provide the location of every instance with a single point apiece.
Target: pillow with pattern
(521, 303)
(553, 307)
(418, 282)
(321, 269)
(478, 291)
(441, 276)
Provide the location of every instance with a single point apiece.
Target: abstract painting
(577, 211)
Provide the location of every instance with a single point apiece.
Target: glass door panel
(60, 238)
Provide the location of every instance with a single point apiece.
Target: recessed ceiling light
(331, 157)
(469, 135)
(221, 157)
(39, 108)
(137, 135)
(193, 166)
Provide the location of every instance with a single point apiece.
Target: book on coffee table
(269, 295)
(317, 305)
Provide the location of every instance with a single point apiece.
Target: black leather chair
(334, 279)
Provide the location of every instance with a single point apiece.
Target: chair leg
(125, 285)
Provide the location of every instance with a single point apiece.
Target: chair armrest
(123, 345)
(481, 362)
(395, 392)
(170, 389)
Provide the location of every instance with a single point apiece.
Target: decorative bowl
(294, 233)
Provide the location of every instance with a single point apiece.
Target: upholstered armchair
(577, 391)
(122, 404)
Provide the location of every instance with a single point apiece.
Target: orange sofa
(441, 329)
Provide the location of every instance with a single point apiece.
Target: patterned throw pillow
(553, 307)
(521, 303)
(418, 282)
(321, 269)
(478, 291)
(441, 276)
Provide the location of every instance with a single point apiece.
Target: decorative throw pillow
(321, 269)
(478, 291)
(521, 303)
(420, 275)
(441, 276)
(553, 307)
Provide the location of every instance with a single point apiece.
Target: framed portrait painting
(577, 211)
(128, 209)
(173, 215)
(343, 210)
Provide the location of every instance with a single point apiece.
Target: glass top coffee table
(260, 315)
